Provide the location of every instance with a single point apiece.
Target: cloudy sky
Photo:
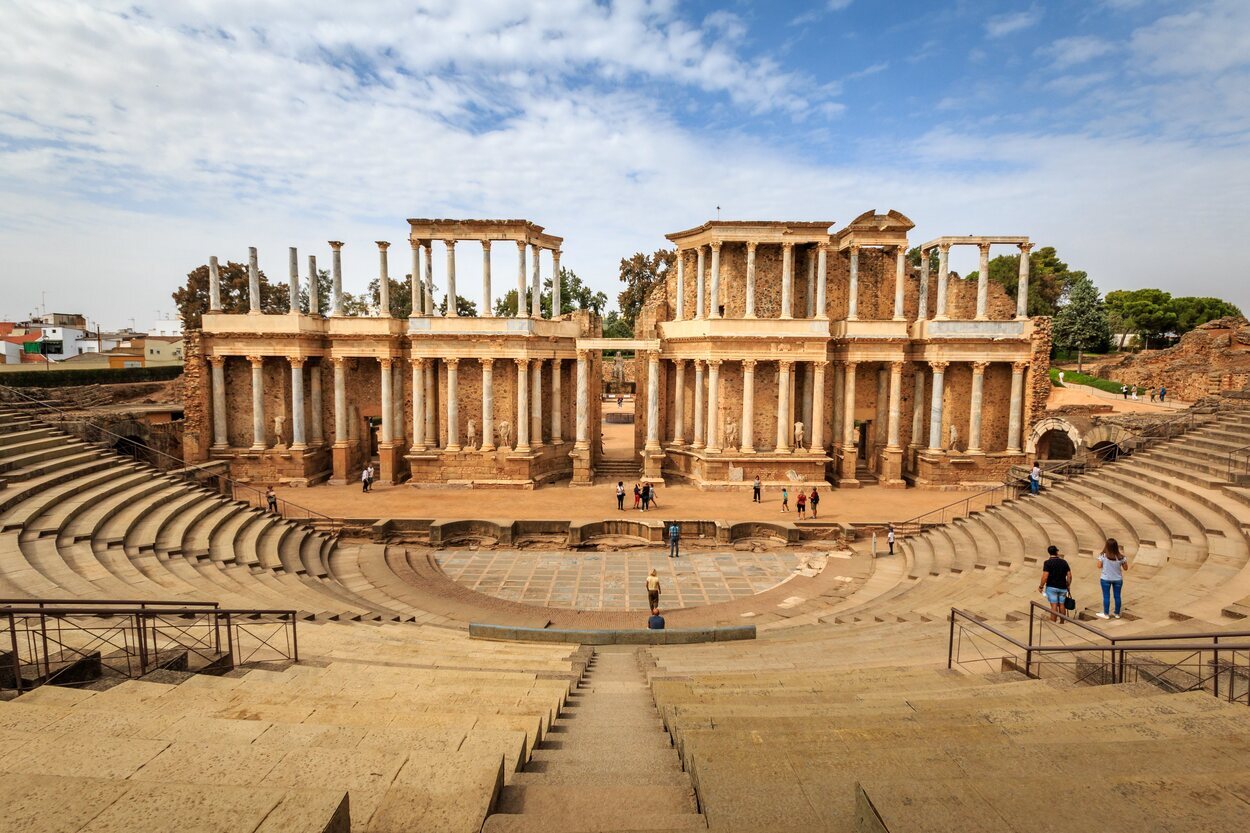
(138, 138)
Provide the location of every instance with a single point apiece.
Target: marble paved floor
(616, 580)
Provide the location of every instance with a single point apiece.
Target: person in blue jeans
(1113, 564)
(1056, 579)
(1035, 478)
(674, 537)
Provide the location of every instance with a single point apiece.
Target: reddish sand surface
(1086, 395)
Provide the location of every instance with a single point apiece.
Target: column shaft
(415, 290)
(536, 403)
(883, 410)
(943, 276)
(699, 308)
(214, 285)
(429, 411)
(258, 402)
(917, 411)
(220, 437)
(428, 266)
(783, 407)
(750, 303)
(974, 410)
(900, 280)
(452, 312)
(699, 413)
(1015, 412)
(839, 387)
(817, 416)
(852, 297)
(747, 442)
(983, 283)
(896, 405)
(822, 281)
(388, 402)
(557, 299)
(340, 403)
(714, 295)
(522, 405)
(397, 398)
(488, 404)
(557, 402)
(298, 437)
(679, 402)
(583, 400)
(713, 406)
(453, 404)
(787, 281)
(922, 311)
(488, 310)
(1022, 286)
(935, 407)
(384, 281)
(418, 405)
(336, 277)
(848, 405)
(811, 284)
(536, 289)
(314, 291)
(680, 314)
(653, 402)
(809, 378)
(522, 306)
(253, 282)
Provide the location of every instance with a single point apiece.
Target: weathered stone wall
(1212, 358)
(197, 431)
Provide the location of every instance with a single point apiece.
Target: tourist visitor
(653, 590)
(656, 622)
(1113, 564)
(674, 536)
(620, 495)
(801, 503)
(1124, 391)
(655, 502)
(889, 538)
(1056, 579)
(1035, 478)
(1163, 392)
(814, 500)
(646, 496)
(785, 500)
(1153, 393)
(366, 478)
(272, 500)
(637, 496)
(755, 489)
(1061, 378)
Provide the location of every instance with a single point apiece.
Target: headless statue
(471, 430)
(731, 434)
(505, 433)
(798, 435)
(278, 422)
(954, 434)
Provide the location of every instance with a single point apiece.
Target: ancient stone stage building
(434, 399)
(778, 349)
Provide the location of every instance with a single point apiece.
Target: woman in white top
(1113, 564)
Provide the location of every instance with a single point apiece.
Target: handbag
(1069, 603)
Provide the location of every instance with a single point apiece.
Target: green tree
(192, 298)
(401, 296)
(464, 307)
(913, 259)
(1193, 312)
(1146, 312)
(356, 306)
(615, 326)
(639, 273)
(1081, 323)
(573, 295)
(323, 294)
(1049, 278)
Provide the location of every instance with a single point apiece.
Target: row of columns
(900, 282)
(421, 278)
(942, 310)
(816, 287)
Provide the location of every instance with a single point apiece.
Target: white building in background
(167, 328)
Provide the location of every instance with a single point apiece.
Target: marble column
(817, 428)
(431, 388)
(783, 406)
(557, 402)
(699, 413)
(935, 407)
(488, 405)
(452, 312)
(418, 404)
(397, 397)
(974, 410)
(680, 314)
(388, 403)
(852, 296)
(453, 404)
(1022, 286)
(428, 265)
(713, 406)
(488, 309)
(700, 311)
(299, 438)
(253, 282)
(557, 300)
(883, 411)
(583, 400)
(522, 405)
(653, 402)
(750, 303)
(822, 280)
(811, 283)
(536, 286)
(944, 251)
(536, 403)
(900, 280)
(983, 283)
(258, 402)
(787, 281)
(714, 294)
(922, 311)
(809, 378)
(214, 285)
(218, 374)
(1015, 410)
(415, 288)
(839, 385)
(894, 424)
(341, 431)
(917, 412)
(679, 402)
(848, 408)
(522, 307)
(384, 281)
(336, 277)
(314, 291)
(747, 443)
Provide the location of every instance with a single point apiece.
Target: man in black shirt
(1056, 579)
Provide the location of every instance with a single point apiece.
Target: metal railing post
(17, 658)
(950, 642)
(43, 630)
(294, 638)
(229, 639)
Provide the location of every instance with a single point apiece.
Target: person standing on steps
(653, 590)
(674, 539)
(656, 622)
(1056, 579)
(889, 538)
(620, 495)
(814, 500)
(1035, 478)
(1113, 564)
(800, 503)
(785, 499)
(755, 489)
(272, 500)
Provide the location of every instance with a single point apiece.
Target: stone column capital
(338, 361)
(680, 364)
(522, 245)
(449, 242)
(984, 247)
(789, 244)
(257, 361)
(751, 245)
(853, 248)
(452, 363)
(337, 245)
(486, 245)
(715, 363)
(487, 362)
(386, 362)
(698, 363)
(944, 248)
(749, 365)
(583, 355)
(415, 243)
(418, 362)
(939, 366)
(785, 365)
(383, 244)
(522, 363)
(1025, 248)
(217, 361)
(714, 245)
(898, 366)
(901, 249)
(1020, 367)
(979, 367)
(821, 366)
(297, 362)
(653, 355)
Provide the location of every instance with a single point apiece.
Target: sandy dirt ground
(1086, 395)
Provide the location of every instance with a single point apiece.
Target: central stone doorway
(620, 459)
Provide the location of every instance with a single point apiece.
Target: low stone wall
(676, 636)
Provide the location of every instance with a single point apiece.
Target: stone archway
(1108, 441)
(1044, 427)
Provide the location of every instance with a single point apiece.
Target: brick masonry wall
(197, 432)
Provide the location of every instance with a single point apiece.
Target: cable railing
(75, 645)
(177, 467)
(1215, 662)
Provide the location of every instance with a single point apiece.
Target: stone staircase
(612, 469)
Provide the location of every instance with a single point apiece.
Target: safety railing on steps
(1215, 662)
(1239, 465)
(76, 645)
(172, 465)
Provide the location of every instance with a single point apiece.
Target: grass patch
(1071, 377)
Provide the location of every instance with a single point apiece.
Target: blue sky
(137, 139)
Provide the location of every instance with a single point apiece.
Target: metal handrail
(141, 603)
(181, 465)
(1233, 468)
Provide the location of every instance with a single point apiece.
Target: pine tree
(1081, 323)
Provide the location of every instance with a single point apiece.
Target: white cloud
(1210, 39)
(1007, 24)
(1077, 49)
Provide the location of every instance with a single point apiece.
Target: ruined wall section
(197, 431)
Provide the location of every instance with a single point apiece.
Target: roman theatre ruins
(795, 351)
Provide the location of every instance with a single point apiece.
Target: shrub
(1071, 377)
(92, 376)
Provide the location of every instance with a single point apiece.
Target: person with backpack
(1112, 564)
(638, 497)
(1055, 583)
(814, 500)
(801, 503)
(272, 499)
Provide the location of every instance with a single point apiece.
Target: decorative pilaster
(258, 402)
(783, 406)
(299, 440)
(852, 298)
(935, 407)
(218, 378)
(488, 404)
(453, 404)
(679, 402)
(974, 412)
(713, 406)
(1015, 411)
(787, 281)
(747, 443)
(750, 304)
